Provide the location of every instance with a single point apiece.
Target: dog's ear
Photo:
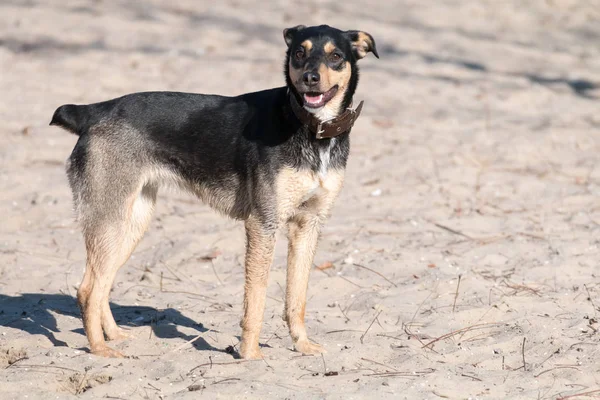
(290, 33)
(362, 43)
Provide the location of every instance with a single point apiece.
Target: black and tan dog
(272, 158)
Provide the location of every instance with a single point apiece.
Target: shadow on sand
(34, 313)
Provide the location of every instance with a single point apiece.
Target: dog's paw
(107, 352)
(251, 353)
(308, 348)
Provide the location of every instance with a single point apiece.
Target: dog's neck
(339, 123)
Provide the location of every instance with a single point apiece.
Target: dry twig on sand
(555, 368)
(578, 394)
(189, 342)
(430, 344)
(406, 374)
(454, 231)
(370, 325)
(523, 354)
(520, 288)
(456, 294)
(378, 363)
(375, 272)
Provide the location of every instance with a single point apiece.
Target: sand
(464, 246)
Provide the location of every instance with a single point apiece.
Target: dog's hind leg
(140, 215)
(110, 239)
(114, 201)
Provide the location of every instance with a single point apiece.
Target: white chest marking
(325, 156)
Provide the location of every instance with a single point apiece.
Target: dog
(274, 158)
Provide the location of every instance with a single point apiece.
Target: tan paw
(308, 348)
(107, 352)
(119, 334)
(251, 353)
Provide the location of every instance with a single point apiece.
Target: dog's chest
(306, 190)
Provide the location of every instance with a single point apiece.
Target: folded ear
(362, 43)
(290, 33)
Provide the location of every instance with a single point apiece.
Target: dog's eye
(335, 57)
(299, 54)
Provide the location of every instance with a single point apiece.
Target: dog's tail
(75, 119)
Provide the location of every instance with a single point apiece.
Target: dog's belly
(224, 197)
(223, 193)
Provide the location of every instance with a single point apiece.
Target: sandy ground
(465, 245)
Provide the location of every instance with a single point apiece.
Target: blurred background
(476, 156)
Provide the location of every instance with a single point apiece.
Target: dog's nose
(311, 78)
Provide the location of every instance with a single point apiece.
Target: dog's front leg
(260, 242)
(303, 235)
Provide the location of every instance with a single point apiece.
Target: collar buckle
(319, 131)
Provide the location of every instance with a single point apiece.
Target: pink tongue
(313, 99)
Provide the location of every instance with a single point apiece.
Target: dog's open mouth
(317, 99)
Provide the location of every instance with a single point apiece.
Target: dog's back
(137, 109)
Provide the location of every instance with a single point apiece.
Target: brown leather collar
(329, 128)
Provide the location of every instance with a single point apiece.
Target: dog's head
(321, 66)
